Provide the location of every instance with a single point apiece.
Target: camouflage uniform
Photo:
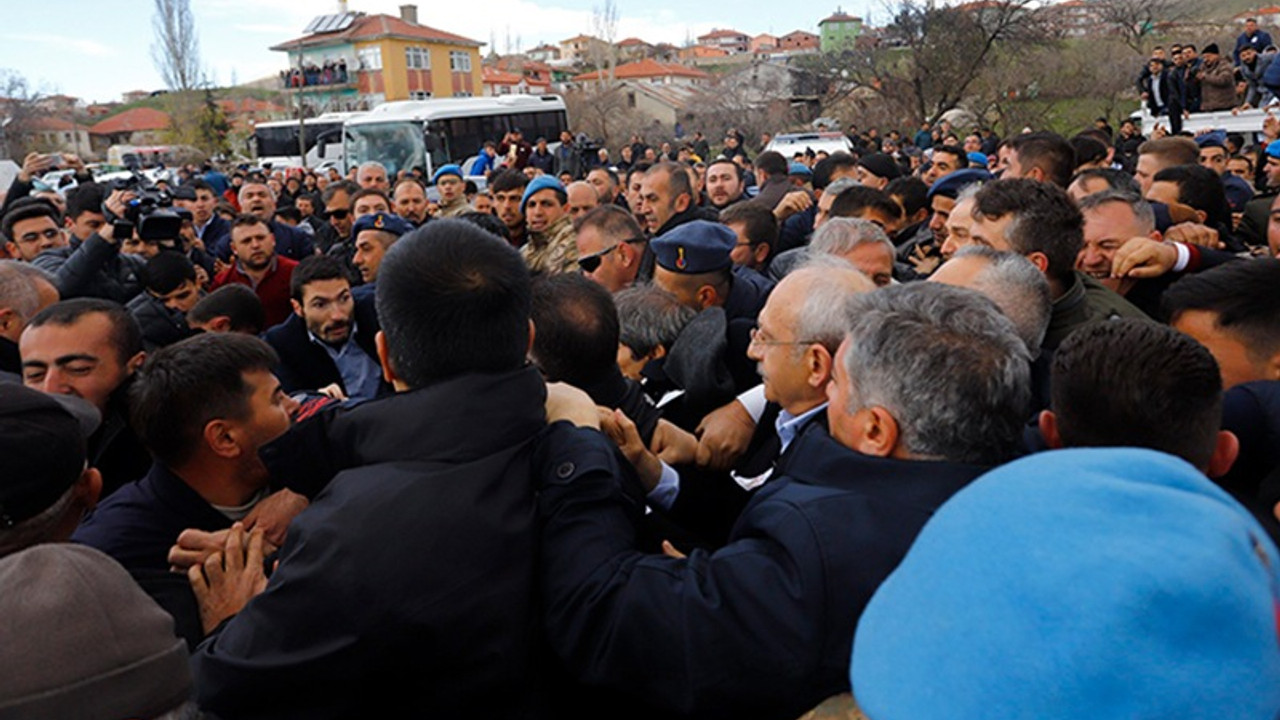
(458, 207)
(553, 250)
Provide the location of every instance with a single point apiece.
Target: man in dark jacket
(764, 626)
(667, 199)
(171, 291)
(329, 339)
(258, 199)
(95, 267)
(203, 406)
(409, 581)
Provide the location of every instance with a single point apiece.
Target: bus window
(437, 147)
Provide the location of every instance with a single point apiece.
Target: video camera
(151, 212)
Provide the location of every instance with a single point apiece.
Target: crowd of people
(330, 72)
(946, 426)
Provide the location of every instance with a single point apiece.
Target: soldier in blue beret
(450, 183)
(372, 236)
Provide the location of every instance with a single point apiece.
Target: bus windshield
(281, 139)
(397, 145)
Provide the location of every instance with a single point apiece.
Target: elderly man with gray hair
(862, 243)
(930, 388)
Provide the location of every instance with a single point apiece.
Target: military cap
(950, 185)
(978, 158)
(383, 221)
(799, 169)
(449, 169)
(540, 183)
(698, 246)
(1216, 138)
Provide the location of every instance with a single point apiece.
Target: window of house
(370, 58)
(417, 58)
(459, 61)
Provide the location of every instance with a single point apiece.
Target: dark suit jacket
(305, 365)
(290, 242)
(138, 524)
(216, 234)
(763, 627)
(408, 584)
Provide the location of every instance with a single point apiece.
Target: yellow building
(353, 61)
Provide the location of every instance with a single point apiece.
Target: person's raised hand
(226, 581)
(724, 435)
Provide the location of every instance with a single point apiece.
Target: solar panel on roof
(331, 23)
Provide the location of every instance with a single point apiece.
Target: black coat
(762, 628)
(305, 365)
(407, 588)
(138, 524)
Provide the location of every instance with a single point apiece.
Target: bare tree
(931, 56)
(176, 51)
(20, 112)
(1135, 21)
(604, 24)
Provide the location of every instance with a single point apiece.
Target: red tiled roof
(715, 34)
(1271, 10)
(799, 34)
(135, 120)
(370, 27)
(509, 64)
(632, 42)
(840, 17)
(494, 76)
(647, 69)
(53, 123)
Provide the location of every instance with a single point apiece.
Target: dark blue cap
(698, 246)
(1217, 138)
(1238, 192)
(800, 169)
(385, 222)
(951, 184)
(978, 158)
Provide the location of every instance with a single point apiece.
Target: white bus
(430, 133)
(277, 142)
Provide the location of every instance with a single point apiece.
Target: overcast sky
(97, 50)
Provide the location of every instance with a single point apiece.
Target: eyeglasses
(758, 337)
(337, 214)
(590, 263)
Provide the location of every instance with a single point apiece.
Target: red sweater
(273, 291)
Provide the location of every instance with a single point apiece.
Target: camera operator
(95, 267)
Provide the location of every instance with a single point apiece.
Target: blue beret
(1217, 138)
(697, 246)
(542, 182)
(1239, 193)
(385, 222)
(1108, 576)
(951, 184)
(977, 158)
(798, 168)
(449, 169)
(1273, 149)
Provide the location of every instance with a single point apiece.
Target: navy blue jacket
(290, 242)
(138, 524)
(761, 628)
(305, 365)
(217, 233)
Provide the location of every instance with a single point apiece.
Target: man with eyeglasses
(612, 248)
(30, 228)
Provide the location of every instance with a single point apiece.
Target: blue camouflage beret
(695, 247)
(449, 169)
(798, 168)
(977, 158)
(950, 185)
(1216, 138)
(540, 183)
(385, 222)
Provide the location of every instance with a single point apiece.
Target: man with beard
(724, 183)
(257, 265)
(329, 339)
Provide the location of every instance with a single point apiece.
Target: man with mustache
(254, 262)
(327, 344)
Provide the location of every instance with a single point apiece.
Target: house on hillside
(799, 41)
(775, 86)
(839, 31)
(633, 48)
(651, 72)
(353, 61)
(1073, 18)
(544, 53)
(731, 41)
(54, 134)
(503, 82)
(763, 44)
(583, 48)
(138, 126)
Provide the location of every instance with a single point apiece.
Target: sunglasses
(590, 263)
(337, 214)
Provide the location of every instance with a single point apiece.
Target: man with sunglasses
(612, 248)
(336, 202)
